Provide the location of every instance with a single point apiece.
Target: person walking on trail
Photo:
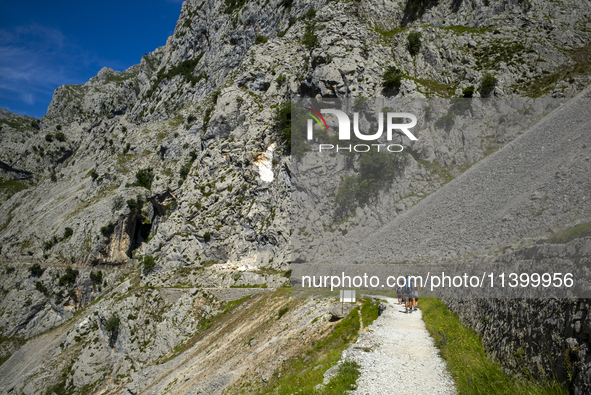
(408, 295)
(399, 294)
(415, 296)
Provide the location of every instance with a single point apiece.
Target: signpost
(347, 297)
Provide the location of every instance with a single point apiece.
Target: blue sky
(45, 44)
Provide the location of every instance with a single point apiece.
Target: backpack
(408, 286)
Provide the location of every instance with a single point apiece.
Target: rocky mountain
(145, 201)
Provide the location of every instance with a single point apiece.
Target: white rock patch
(265, 164)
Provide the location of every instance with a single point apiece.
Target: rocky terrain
(172, 180)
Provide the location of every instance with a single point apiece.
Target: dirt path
(399, 357)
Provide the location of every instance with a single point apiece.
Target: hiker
(399, 293)
(415, 296)
(408, 294)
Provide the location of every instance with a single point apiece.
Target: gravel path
(399, 357)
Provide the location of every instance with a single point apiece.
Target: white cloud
(34, 60)
(28, 98)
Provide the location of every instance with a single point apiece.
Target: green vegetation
(132, 204)
(117, 203)
(292, 22)
(120, 77)
(260, 40)
(392, 78)
(10, 187)
(345, 379)
(390, 33)
(206, 236)
(472, 371)
(60, 388)
(148, 263)
(96, 278)
(512, 53)
(49, 138)
(582, 230)
(234, 5)
(309, 39)
(39, 286)
(282, 312)
(185, 169)
(144, 178)
(487, 85)
(112, 323)
(468, 92)
(281, 79)
(60, 137)
(69, 278)
(283, 122)
(414, 43)
(106, 230)
(93, 174)
(376, 172)
(369, 311)
(299, 373)
(184, 68)
(311, 14)
(36, 270)
(447, 121)
(581, 67)
(50, 243)
(460, 106)
(68, 232)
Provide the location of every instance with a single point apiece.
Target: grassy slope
(298, 374)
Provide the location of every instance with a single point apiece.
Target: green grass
(512, 53)
(298, 374)
(390, 33)
(472, 371)
(544, 84)
(436, 168)
(10, 187)
(345, 380)
(184, 68)
(582, 230)
(4, 359)
(431, 87)
(249, 286)
(17, 123)
(116, 77)
(466, 29)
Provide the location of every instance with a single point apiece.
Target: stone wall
(542, 337)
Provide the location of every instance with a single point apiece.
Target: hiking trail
(399, 356)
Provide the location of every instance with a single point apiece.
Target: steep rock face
(200, 108)
(178, 158)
